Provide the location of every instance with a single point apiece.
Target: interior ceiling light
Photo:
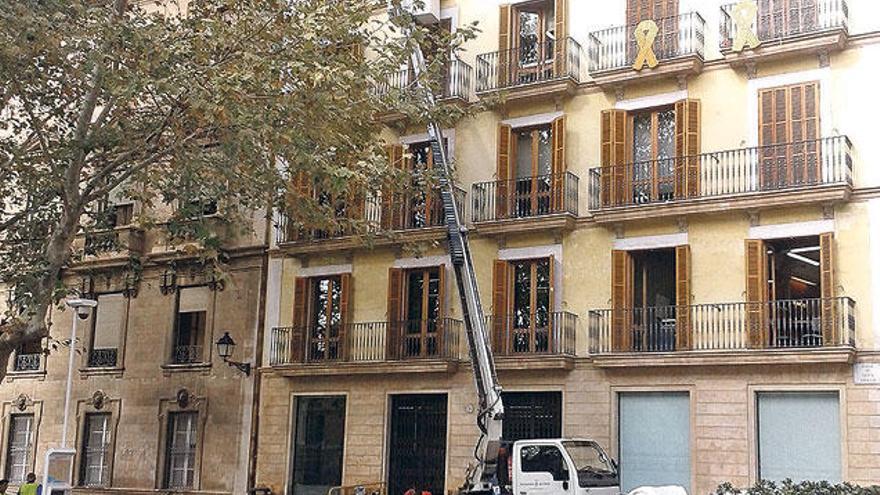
(803, 281)
(802, 258)
(808, 249)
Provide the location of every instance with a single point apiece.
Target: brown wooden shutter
(683, 328)
(443, 323)
(300, 319)
(345, 315)
(559, 166)
(613, 157)
(554, 325)
(621, 300)
(395, 312)
(503, 172)
(500, 305)
(561, 31)
(505, 44)
(391, 205)
(788, 131)
(756, 293)
(831, 329)
(687, 148)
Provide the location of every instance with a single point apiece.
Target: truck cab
(562, 467)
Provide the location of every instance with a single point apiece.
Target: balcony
(414, 217)
(27, 362)
(543, 70)
(103, 358)
(119, 242)
(783, 331)
(534, 341)
(456, 87)
(678, 47)
(814, 28)
(187, 354)
(408, 346)
(528, 203)
(745, 178)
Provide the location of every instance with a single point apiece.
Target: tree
(175, 104)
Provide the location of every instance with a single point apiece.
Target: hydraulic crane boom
(482, 478)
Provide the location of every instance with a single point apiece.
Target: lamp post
(225, 348)
(83, 308)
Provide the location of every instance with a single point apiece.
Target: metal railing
(186, 354)
(27, 361)
(523, 65)
(101, 242)
(287, 231)
(775, 167)
(616, 47)
(525, 197)
(419, 211)
(539, 333)
(781, 324)
(377, 341)
(792, 22)
(458, 80)
(103, 358)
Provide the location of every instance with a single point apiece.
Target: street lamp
(225, 348)
(83, 308)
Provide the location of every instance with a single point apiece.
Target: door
(799, 436)
(319, 432)
(531, 415)
(653, 152)
(781, 18)
(535, 28)
(423, 326)
(533, 159)
(789, 136)
(541, 469)
(417, 446)
(654, 436)
(531, 290)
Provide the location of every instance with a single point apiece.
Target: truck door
(541, 469)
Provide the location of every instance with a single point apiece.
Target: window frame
(654, 180)
(533, 330)
(207, 333)
(21, 405)
(192, 404)
(312, 313)
(89, 339)
(97, 404)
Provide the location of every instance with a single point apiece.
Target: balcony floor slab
(808, 44)
(364, 368)
(559, 221)
(534, 91)
(682, 66)
(817, 355)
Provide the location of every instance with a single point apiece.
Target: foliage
(176, 105)
(788, 487)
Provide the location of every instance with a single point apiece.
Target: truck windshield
(594, 467)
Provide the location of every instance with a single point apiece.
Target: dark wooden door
(417, 449)
(531, 415)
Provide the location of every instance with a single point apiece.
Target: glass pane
(666, 134)
(542, 292)
(529, 23)
(335, 308)
(434, 303)
(523, 154)
(522, 288)
(545, 151)
(415, 290)
(642, 140)
(317, 445)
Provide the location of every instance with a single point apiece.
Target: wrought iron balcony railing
(458, 81)
(519, 66)
(27, 361)
(103, 358)
(378, 341)
(801, 164)
(525, 197)
(616, 47)
(187, 354)
(798, 19)
(419, 211)
(537, 333)
(781, 324)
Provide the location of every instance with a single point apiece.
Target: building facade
(674, 213)
(153, 405)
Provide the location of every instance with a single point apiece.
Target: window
(531, 415)
(19, 446)
(789, 135)
(780, 18)
(799, 436)
(190, 325)
(544, 459)
(95, 465)
(318, 441)
(662, 12)
(531, 304)
(423, 207)
(533, 159)
(536, 35)
(28, 357)
(107, 326)
(180, 450)
(326, 319)
(422, 313)
(653, 150)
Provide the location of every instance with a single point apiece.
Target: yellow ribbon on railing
(744, 15)
(645, 34)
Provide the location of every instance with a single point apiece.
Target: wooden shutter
(300, 319)
(555, 331)
(500, 306)
(687, 148)
(683, 329)
(443, 328)
(788, 131)
(558, 199)
(613, 187)
(503, 172)
(395, 312)
(392, 216)
(561, 31)
(621, 301)
(505, 44)
(831, 329)
(345, 315)
(756, 293)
